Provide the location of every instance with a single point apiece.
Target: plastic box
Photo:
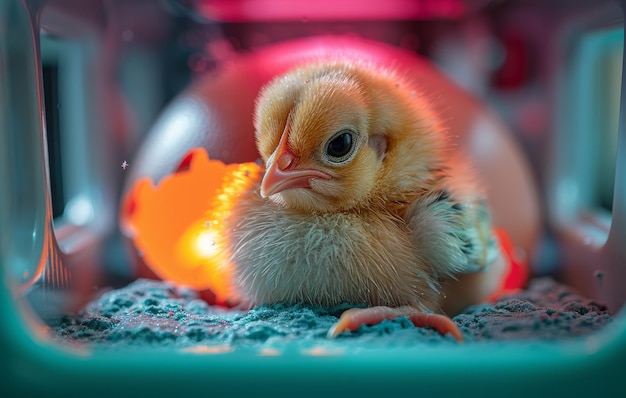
(50, 258)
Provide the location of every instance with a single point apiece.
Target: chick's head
(324, 132)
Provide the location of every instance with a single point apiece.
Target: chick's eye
(340, 146)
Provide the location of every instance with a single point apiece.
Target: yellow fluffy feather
(360, 201)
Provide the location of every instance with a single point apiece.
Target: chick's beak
(281, 174)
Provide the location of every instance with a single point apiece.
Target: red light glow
(328, 10)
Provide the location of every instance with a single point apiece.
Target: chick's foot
(353, 318)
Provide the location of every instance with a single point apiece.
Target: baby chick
(360, 201)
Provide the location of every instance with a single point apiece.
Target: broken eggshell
(177, 225)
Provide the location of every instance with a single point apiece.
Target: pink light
(328, 10)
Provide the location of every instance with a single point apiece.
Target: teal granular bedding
(158, 314)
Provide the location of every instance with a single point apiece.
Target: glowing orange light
(322, 352)
(205, 349)
(178, 226)
(269, 352)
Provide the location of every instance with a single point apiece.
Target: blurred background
(551, 69)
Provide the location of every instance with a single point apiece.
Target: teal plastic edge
(34, 366)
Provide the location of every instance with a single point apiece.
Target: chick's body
(288, 256)
(360, 202)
